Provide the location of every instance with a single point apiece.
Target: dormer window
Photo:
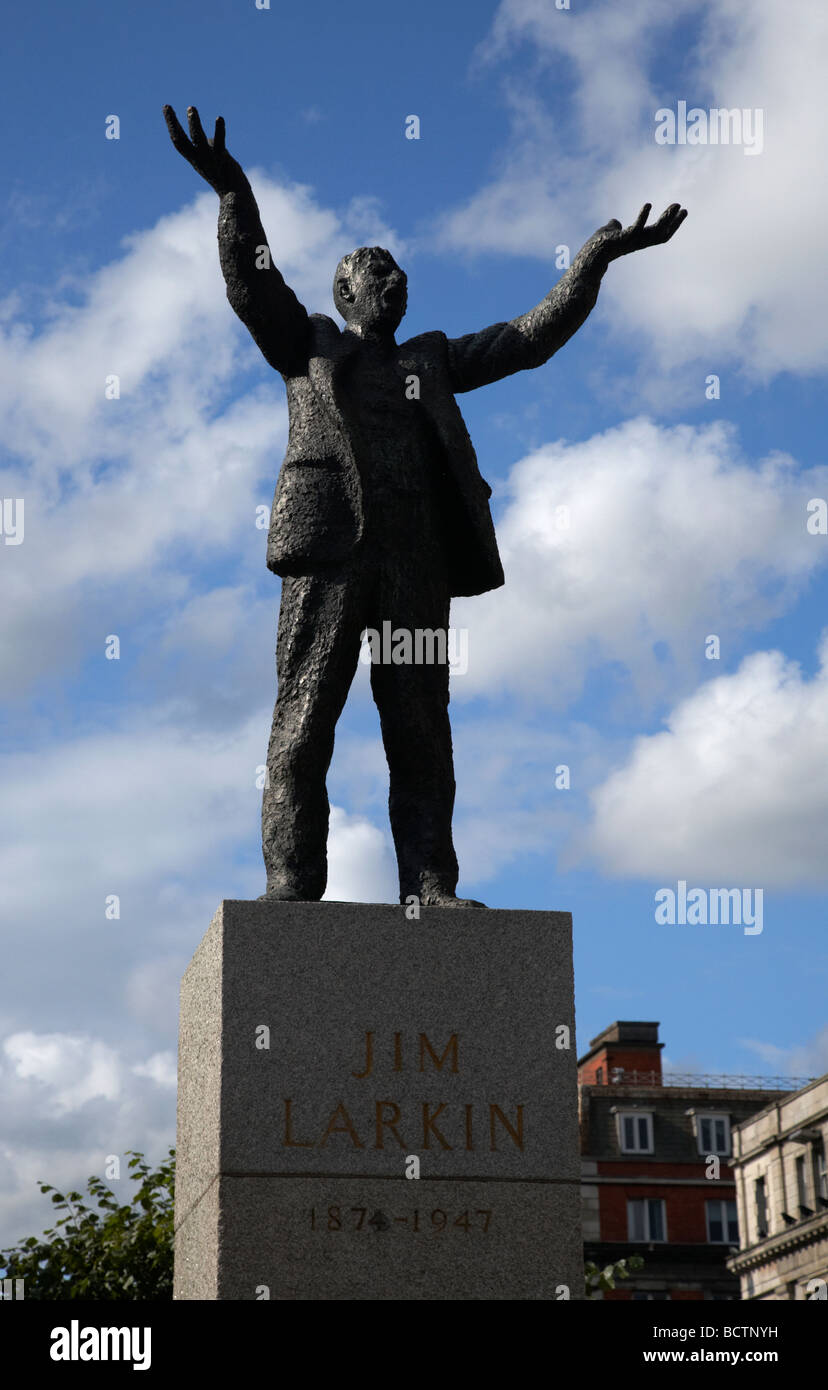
(635, 1131)
(712, 1131)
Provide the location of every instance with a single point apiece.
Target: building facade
(782, 1195)
(656, 1162)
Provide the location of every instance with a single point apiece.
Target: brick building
(655, 1152)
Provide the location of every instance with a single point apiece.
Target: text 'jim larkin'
(461, 1126)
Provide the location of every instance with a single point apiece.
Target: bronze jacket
(317, 517)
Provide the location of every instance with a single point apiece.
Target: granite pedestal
(330, 1051)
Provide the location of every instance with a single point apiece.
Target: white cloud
(730, 794)
(361, 863)
(672, 535)
(73, 1070)
(128, 810)
(158, 317)
(70, 1101)
(151, 992)
(804, 1059)
(120, 809)
(739, 283)
(93, 472)
(161, 1068)
(508, 805)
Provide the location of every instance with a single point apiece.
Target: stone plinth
(327, 1049)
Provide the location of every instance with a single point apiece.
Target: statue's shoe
(282, 893)
(437, 899)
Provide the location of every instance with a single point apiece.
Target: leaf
(112, 1252)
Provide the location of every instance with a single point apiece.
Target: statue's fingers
(663, 226)
(643, 215)
(677, 220)
(218, 137)
(670, 225)
(197, 135)
(175, 129)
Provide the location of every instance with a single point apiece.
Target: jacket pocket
(313, 524)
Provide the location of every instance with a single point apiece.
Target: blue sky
(688, 515)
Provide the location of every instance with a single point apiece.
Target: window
(646, 1219)
(599, 1076)
(722, 1224)
(713, 1134)
(820, 1173)
(761, 1207)
(802, 1184)
(635, 1132)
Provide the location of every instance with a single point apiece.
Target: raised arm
(480, 358)
(255, 288)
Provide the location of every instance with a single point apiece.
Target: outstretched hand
(209, 158)
(616, 240)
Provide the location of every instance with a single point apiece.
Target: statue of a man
(380, 515)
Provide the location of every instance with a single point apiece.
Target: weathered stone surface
(368, 1238)
(438, 1038)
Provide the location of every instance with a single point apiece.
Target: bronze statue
(380, 514)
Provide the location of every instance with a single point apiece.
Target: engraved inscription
(378, 1123)
(438, 1126)
(425, 1047)
(418, 1222)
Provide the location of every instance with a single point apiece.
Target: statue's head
(370, 290)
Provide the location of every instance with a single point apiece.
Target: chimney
(621, 1049)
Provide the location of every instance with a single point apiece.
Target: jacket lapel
(331, 350)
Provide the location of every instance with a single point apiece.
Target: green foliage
(599, 1280)
(115, 1252)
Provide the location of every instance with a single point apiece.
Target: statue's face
(372, 292)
